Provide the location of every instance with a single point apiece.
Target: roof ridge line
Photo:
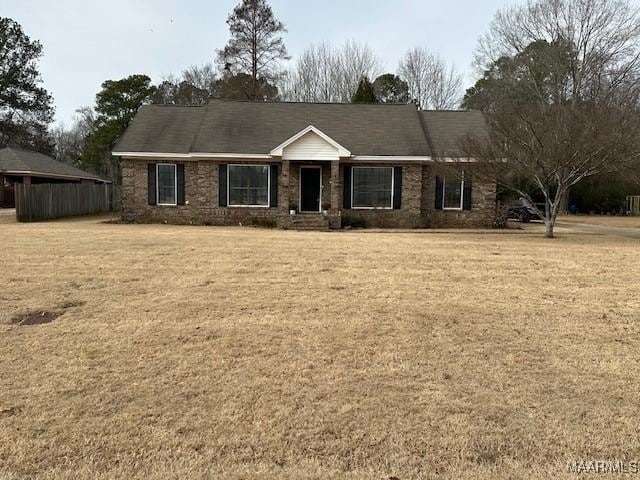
(273, 102)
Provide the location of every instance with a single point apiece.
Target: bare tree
(65, 143)
(165, 93)
(69, 142)
(327, 74)
(552, 149)
(603, 34)
(433, 84)
(256, 47)
(633, 173)
(203, 76)
(195, 86)
(355, 62)
(314, 79)
(561, 99)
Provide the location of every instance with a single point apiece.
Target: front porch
(312, 193)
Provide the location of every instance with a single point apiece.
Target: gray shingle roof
(445, 128)
(238, 127)
(162, 129)
(13, 160)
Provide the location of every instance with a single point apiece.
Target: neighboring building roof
(25, 162)
(445, 128)
(237, 127)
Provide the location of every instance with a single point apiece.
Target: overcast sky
(88, 41)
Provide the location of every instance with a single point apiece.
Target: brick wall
(409, 215)
(201, 195)
(483, 201)
(201, 198)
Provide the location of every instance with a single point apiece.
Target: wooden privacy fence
(633, 205)
(56, 200)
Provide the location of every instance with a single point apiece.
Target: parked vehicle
(523, 211)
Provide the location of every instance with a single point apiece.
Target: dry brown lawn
(187, 352)
(602, 220)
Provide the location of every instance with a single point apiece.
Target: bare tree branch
(327, 74)
(433, 84)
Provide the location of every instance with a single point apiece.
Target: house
(302, 165)
(24, 166)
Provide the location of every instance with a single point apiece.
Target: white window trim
(175, 186)
(444, 189)
(268, 205)
(393, 188)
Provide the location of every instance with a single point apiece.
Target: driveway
(601, 230)
(7, 215)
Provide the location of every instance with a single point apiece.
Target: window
(166, 184)
(248, 185)
(372, 187)
(452, 193)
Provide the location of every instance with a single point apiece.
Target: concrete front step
(311, 222)
(305, 228)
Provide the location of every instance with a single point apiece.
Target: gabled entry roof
(226, 127)
(339, 149)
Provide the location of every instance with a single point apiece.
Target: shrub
(353, 222)
(263, 222)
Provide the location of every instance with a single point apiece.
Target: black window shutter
(180, 183)
(222, 185)
(273, 194)
(397, 188)
(439, 193)
(466, 195)
(151, 185)
(346, 198)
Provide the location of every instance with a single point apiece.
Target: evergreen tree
(364, 93)
(242, 87)
(256, 46)
(26, 107)
(116, 104)
(390, 88)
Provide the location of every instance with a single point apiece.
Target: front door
(310, 188)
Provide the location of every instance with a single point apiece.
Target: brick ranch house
(302, 165)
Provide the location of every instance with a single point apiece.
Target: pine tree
(390, 88)
(256, 46)
(364, 93)
(26, 108)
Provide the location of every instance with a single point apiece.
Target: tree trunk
(549, 225)
(564, 203)
(551, 215)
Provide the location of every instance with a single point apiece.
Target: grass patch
(193, 352)
(603, 220)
